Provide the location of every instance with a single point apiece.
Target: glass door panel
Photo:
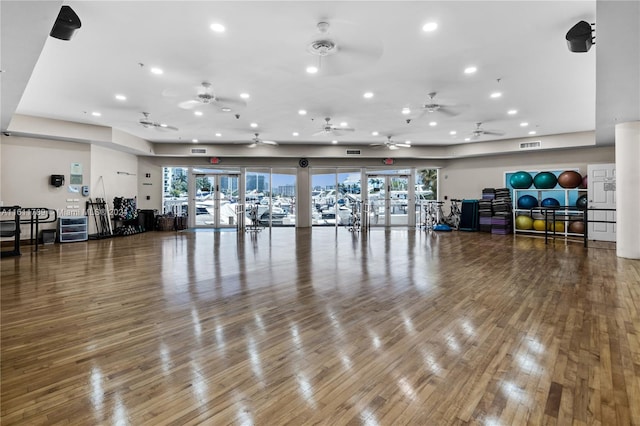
(378, 200)
(283, 197)
(398, 199)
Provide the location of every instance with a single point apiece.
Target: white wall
(465, 178)
(27, 165)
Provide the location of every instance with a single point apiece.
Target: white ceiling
(518, 48)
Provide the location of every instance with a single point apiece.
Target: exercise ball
(581, 202)
(524, 222)
(550, 202)
(584, 182)
(556, 227)
(521, 180)
(527, 202)
(545, 180)
(576, 227)
(539, 225)
(569, 179)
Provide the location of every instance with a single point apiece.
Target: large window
(271, 196)
(175, 190)
(335, 196)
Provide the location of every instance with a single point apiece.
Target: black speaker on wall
(66, 24)
(579, 37)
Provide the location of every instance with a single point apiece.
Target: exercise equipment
(524, 222)
(581, 202)
(556, 226)
(550, 202)
(545, 180)
(521, 180)
(569, 179)
(527, 202)
(576, 227)
(539, 225)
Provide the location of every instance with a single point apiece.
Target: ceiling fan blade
(270, 142)
(188, 104)
(403, 145)
(252, 145)
(493, 133)
(231, 103)
(393, 147)
(376, 144)
(447, 111)
(321, 132)
(344, 129)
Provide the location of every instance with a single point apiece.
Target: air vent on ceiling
(198, 150)
(530, 145)
(353, 152)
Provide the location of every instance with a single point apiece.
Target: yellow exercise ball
(559, 227)
(524, 222)
(539, 225)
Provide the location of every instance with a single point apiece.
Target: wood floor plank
(321, 326)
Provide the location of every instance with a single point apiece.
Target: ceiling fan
(206, 96)
(479, 132)
(332, 129)
(147, 123)
(432, 106)
(391, 145)
(257, 141)
(342, 48)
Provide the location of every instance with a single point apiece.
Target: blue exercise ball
(527, 202)
(550, 202)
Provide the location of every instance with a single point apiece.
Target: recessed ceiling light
(198, 113)
(429, 26)
(344, 124)
(245, 95)
(453, 132)
(218, 135)
(194, 140)
(374, 133)
(368, 95)
(225, 109)
(407, 142)
(495, 95)
(121, 97)
(254, 125)
(96, 114)
(470, 70)
(524, 124)
(533, 132)
(295, 134)
(156, 71)
(467, 139)
(312, 70)
(512, 112)
(302, 112)
(217, 27)
(334, 142)
(433, 123)
(406, 111)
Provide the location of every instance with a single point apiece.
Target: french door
(215, 200)
(388, 199)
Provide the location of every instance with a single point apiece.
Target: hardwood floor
(320, 327)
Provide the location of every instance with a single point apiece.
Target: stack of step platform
(484, 209)
(501, 221)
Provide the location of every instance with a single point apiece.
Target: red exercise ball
(569, 179)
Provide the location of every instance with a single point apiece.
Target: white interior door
(601, 192)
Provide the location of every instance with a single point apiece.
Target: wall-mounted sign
(387, 161)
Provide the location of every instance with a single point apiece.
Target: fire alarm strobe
(303, 163)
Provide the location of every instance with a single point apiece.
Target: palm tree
(429, 179)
